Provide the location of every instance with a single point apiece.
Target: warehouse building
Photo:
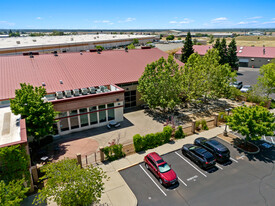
(248, 56)
(89, 89)
(67, 43)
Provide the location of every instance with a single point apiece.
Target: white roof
(17, 42)
(223, 34)
(9, 126)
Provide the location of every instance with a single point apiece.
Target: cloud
(38, 18)
(6, 23)
(242, 22)
(255, 17)
(173, 22)
(269, 22)
(218, 20)
(247, 22)
(103, 22)
(129, 19)
(185, 21)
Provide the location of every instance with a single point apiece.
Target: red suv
(160, 169)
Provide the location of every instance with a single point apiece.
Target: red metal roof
(75, 70)
(247, 51)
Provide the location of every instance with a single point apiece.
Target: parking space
(241, 181)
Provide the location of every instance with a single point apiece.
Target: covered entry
(243, 62)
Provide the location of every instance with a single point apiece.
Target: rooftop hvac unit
(84, 91)
(59, 95)
(92, 90)
(102, 88)
(76, 92)
(68, 93)
(17, 42)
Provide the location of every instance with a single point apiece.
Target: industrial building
(68, 43)
(248, 56)
(89, 89)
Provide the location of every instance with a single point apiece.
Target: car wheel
(160, 181)
(146, 165)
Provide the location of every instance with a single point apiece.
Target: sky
(140, 14)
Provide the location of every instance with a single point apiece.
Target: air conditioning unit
(84, 91)
(68, 93)
(59, 95)
(92, 90)
(102, 88)
(76, 92)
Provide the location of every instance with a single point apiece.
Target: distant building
(248, 56)
(222, 35)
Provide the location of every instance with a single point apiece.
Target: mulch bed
(246, 146)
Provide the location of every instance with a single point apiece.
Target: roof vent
(60, 81)
(84, 91)
(81, 53)
(240, 51)
(68, 93)
(241, 47)
(92, 90)
(126, 49)
(43, 84)
(76, 92)
(55, 53)
(59, 95)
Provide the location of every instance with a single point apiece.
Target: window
(102, 114)
(111, 112)
(74, 120)
(130, 99)
(83, 117)
(93, 116)
(64, 125)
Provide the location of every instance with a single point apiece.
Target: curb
(124, 168)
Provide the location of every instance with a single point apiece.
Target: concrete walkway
(117, 192)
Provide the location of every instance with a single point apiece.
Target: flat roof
(21, 42)
(246, 51)
(9, 127)
(75, 70)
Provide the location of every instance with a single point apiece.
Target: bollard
(193, 126)
(78, 158)
(216, 120)
(101, 154)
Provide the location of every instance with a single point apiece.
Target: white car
(246, 88)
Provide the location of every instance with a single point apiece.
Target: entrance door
(130, 99)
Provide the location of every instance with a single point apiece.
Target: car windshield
(246, 86)
(164, 168)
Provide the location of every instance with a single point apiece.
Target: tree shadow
(239, 74)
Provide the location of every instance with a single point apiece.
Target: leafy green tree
(223, 52)
(211, 39)
(99, 47)
(267, 78)
(12, 193)
(252, 122)
(170, 37)
(39, 115)
(57, 33)
(135, 42)
(187, 49)
(69, 184)
(159, 84)
(232, 55)
(131, 46)
(217, 44)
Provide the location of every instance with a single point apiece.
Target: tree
(195, 42)
(159, 84)
(170, 37)
(39, 115)
(131, 46)
(69, 184)
(223, 52)
(99, 47)
(179, 38)
(187, 49)
(252, 122)
(232, 55)
(211, 39)
(217, 44)
(160, 36)
(135, 42)
(267, 78)
(12, 193)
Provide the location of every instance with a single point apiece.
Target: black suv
(221, 152)
(200, 156)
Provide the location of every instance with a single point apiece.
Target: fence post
(101, 154)
(95, 157)
(193, 126)
(216, 120)
(78, 157)
(34, 173)
(86, 159)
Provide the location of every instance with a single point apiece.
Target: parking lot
(244, 180)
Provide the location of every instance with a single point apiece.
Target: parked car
(220, 152)
(246, 88)
(237, 84)
(199, 155)
(160, 169)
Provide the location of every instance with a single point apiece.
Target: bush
(158, 139)
(222, 117)
(170, 37)
(204, 124)
(197, 124)
(235, 93)
(149, 141)
(167, 132)
(138, 142)
(113, 152)
(101, 48)
(272, 104)
(179, 134)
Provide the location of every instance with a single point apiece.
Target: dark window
(102, 114)
(111, 112)
(83, 117)
(74, 120)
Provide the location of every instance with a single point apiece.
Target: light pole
(225, 129)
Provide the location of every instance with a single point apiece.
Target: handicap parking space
(228, 181)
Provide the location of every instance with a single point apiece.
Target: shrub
(101, 48)
(197, 124)
(235, 93)
(46, 140)
(158, 138)
(272, 104)
(150, 142)
(138, 142)
(170, 37)
(167, 132)
(222, 117)
(179, 133)
(113, 152)
(204, 124)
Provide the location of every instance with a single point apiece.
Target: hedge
(113, 152)
(179, 134)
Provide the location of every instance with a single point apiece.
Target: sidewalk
(117, 192)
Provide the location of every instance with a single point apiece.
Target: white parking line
(264, 138)
(272, 139)
(152, 180)
(182, 182)
(190, 164)
(219, 167)
(233, 160)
